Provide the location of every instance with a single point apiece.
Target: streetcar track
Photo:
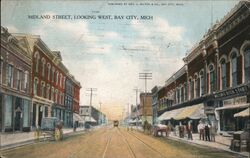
(147, 144)
(127, 143)
(106, 146)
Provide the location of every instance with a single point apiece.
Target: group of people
(185, 130)
(206, 131)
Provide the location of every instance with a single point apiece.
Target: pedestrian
(190, 130)
(74, 126)
(201, 129)
(207, 132)
(213, 132)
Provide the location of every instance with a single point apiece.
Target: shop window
(247, 64)
(10, 75)
(223, 74)
(26, 106)
(234, 69)
(8, 111)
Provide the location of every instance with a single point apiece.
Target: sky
(109, 51)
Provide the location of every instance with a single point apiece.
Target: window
(53, 74)
(211, 77)
(10, 75)
(26, 77)
(234, 69)
(182, 94)
(35, 87)
(42, 89)
(202, 83)
(26, 106)
(49, 66)
(1, 70)
(52, 94)
(223, 74)
(185, 91)
(8, 111)
(247, 64)
(61, 78)
(36, 56)
(57, 77)
(197, 86)
(56, 96)
(43, 67)
(47, 91)
(191, 89)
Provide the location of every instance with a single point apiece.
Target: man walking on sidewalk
(207, 132)
(201, 130)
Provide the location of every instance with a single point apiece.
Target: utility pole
(145, 76)
(91, 90)
(136, 102)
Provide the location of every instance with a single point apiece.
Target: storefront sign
(238, 90)
(209, 110)
(235, 101)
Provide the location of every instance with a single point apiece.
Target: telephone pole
(91, 90)
(136, 102)
(100, 113)
(145, 76)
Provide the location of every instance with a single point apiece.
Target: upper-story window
(48, 74)
(57, 77)
(202, 90)
(47, 91)
(234, 69)
(1, 70)
(223, 74)
(43, 67)
(35, 86)
(56, 96)
(191, 82)
(247, 64)
(185, 91)
(52, 74)
(52, 94)
(42, 89)
(182, 94)
(10, 74)
(211, 78)
(61, 78)
(197, 86)
(26, 80)
(36, 59)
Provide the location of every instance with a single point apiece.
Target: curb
(197, 144)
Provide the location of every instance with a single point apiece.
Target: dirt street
(112, 142)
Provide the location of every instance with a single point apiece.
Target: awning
(233, 106)
(90, 119)
(192, 112)
(169, 114)
(244, 113)
(77, 117)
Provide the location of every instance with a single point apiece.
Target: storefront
(63, 114)
(41, 108)
(231, 102)
(15, 113)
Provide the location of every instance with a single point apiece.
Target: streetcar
(116, 123)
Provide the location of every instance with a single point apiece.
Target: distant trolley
(116, 123)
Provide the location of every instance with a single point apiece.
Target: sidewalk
(221, 142)
(12, 140)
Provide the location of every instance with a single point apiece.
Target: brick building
(214, 82)
(15, 84)
(146, 107)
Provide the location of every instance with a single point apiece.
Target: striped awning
(244, 113)
(168, 115)
(191, 112)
